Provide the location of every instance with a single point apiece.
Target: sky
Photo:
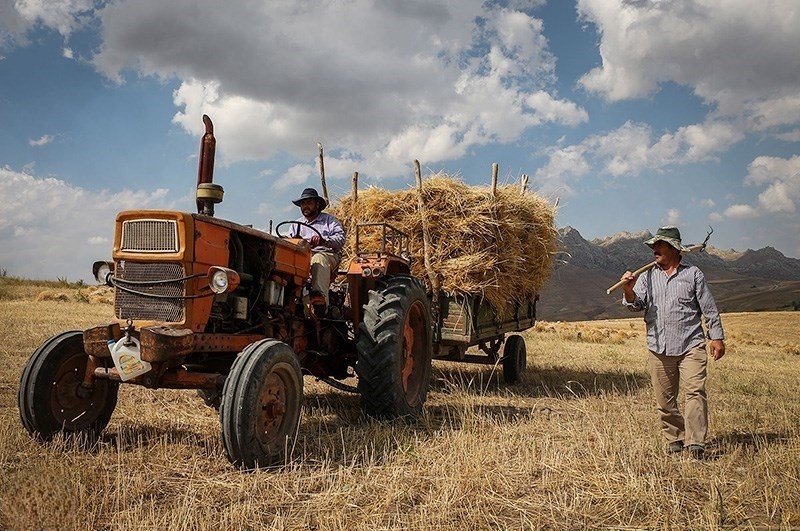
(630, 114)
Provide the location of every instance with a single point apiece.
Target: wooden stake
(524, 183)
(426, 242)
(353, 209)
(495, 170)
(322, 174)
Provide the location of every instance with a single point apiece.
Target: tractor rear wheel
(394, 349)
(51, 398)
(261, 404)
(515, 359)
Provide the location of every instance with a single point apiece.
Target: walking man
(674, 297)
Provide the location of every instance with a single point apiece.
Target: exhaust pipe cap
(209, 194)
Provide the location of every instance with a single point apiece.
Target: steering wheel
(282, 223)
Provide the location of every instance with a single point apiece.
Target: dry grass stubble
(573, 446)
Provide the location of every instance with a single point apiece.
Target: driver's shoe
(318, 303)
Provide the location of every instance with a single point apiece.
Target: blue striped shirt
(673, 307)
(329, 227)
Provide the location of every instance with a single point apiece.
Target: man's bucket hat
(311, 193)
(669, 234)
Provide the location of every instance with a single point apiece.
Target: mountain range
(751, 280)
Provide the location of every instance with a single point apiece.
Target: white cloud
(631, 148)
(782, 194)
(779, 197)
(730, 54)
(378, 83)
(64, 16)
(42, 218)
(740, 212)
(789, 136)
(564, 166)
(673, 217)
(708, 203)
(12, 26)
(41, 141)
(782, 177)
(296, 175)
(771, 113)
(766, 170)
(549, 109)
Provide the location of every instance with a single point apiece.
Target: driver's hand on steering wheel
(314, 240)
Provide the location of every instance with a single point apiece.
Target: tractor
(208, 304)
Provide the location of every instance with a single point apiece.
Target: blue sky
(632, 113)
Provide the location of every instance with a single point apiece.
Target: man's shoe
(697, 451)
(675, 447)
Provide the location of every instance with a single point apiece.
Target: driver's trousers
(323, 267)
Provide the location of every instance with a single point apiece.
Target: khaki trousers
(321, 266)
(668, 373)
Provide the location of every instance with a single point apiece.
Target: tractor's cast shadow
(334, 430)
(131, 437)
(553, 382)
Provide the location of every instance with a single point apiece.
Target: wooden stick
(426, 242)
(353, 209)
(636, 274)
(651, 265)
(322, 174)
(495, 170)
(524, 183)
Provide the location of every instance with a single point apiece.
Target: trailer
(462, 320)
(469, 320)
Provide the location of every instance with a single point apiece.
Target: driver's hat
(311, 193)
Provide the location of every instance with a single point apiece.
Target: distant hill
(753, 280)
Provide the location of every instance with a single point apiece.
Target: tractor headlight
(219, 282)
(222, 279)
(366, 271)
(103, 271)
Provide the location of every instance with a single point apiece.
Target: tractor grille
(129, 305)
(150, 236)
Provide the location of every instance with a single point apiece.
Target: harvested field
(573, 446)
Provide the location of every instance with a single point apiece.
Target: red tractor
(208, 304)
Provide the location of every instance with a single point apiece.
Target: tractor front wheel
(261, 404)
(394, 349)
(52, 398)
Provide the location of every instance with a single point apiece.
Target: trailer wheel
(515, 359)
(394, 349)
(51, 398)
(261, 404)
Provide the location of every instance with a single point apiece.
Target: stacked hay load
(498, 246)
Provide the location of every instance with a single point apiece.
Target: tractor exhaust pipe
(208, 194)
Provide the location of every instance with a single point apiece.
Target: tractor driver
(326, 243)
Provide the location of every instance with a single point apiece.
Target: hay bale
(52, 296)
(499, 247)
(97, 294)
